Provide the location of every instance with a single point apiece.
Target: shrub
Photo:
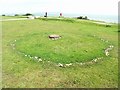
(108, 25)
(80, 17)
(28, 14)
(16, 14)
(3, 15)
(86, 18)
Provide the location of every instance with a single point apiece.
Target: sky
(96, 7)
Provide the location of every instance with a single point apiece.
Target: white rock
(90, 62)
(99, 58)
(111, 46)
(95, 60)
(13, 44)
(60, 65)
(36, 57)
(68, 64)
(107, 53)
(39, 60)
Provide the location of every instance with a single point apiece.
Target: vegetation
(81, 17)
(17, 15)
(3, 14)
(28, 14)
(81, 42)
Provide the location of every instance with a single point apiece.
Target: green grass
(70, 48)
(10, 17)
(77, 37)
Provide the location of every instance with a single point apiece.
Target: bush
(3, 15)
(86, 18)
(28, 14)
(108, 25)
(16, 14)
(80, 17)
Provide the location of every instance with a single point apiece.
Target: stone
(95, 60)
(39, 60)
(54, 36)
(68, 64)
(107, 53)
(36, 57)
(81, 63)
(60, 65)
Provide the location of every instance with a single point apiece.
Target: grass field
(31, 59)
(10, 17)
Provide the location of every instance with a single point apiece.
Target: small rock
(95, 60)
(68, 64)
(54, 36)
(60, 65)
(36, 57)
(39, 60)
(99, 58)
(90, 62)
(111, 46)
(13, 45)
(107, 53)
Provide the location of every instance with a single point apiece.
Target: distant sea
(105, 18)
